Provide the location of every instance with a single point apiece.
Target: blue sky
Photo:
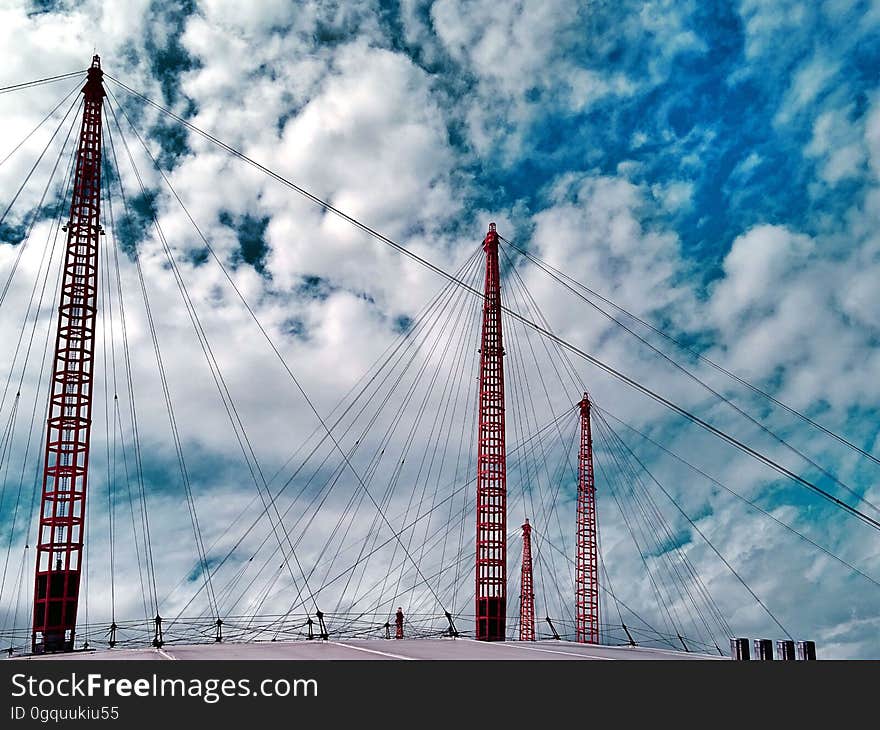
(711, 166)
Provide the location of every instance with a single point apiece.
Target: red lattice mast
(62, 508)
(587, 560)
(526, 590)
(491, 564)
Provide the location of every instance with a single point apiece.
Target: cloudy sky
(711, 167)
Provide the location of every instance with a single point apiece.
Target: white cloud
(588, 86)
(766, 24)
(872, 137)
(839, 145)
(755, 266)
(809, 81)
(746, 167)
(515, 54)
(674, 196)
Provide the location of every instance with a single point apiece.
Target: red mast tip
(491, 238)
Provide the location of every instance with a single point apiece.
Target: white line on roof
(371, 651)
(576, 655)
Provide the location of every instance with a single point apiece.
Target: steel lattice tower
(526, 590)
(587, 560)
(491, 563)
(65, 470)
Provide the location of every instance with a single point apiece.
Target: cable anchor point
(451, 632)
(322, 626)
(158, 639)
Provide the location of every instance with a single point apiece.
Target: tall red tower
(587, 561)
(526, 590)
(491, 564)
(65, 470)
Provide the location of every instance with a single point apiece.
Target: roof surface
(377, 649)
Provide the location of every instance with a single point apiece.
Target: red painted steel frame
(491, 564)
(526, 591)
(62, 509)
(587, 560)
